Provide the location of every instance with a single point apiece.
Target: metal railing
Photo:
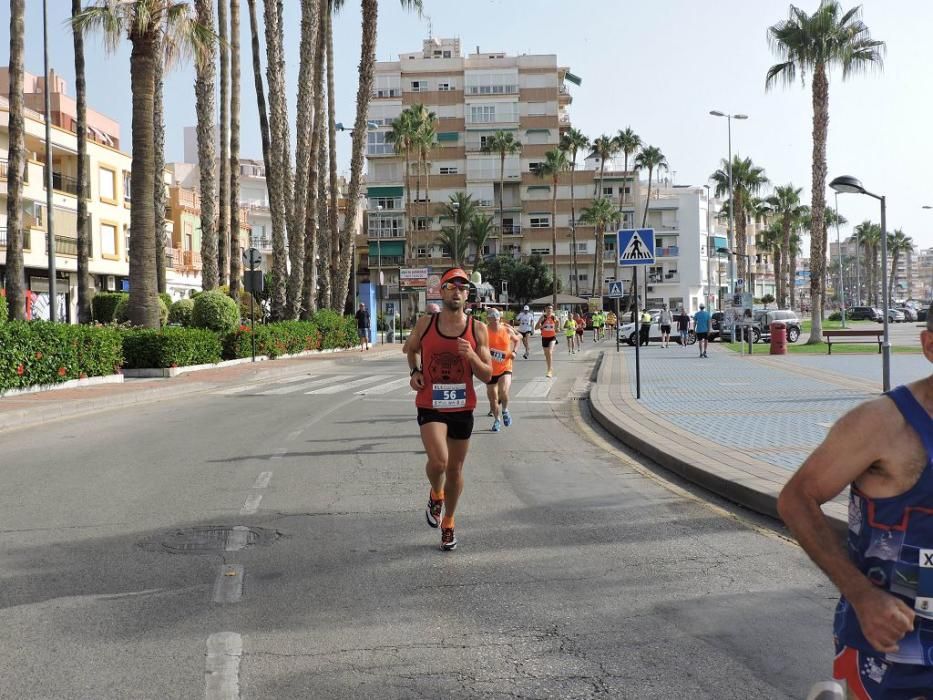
(192, 259)
(668, 252)
(65, 245)
(511, 230)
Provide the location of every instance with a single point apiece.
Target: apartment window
(447, 54)
(108, 241)
(540, 251)
(387, 86)
(581, 247)
(107, 185)
(127, 178)
(607, 190)
(385, 203)
(376, 144)
(187, 242)
(419, 85)
(422, 223)
(437, 53)
(422, 253)
(126, 242)
(535, 166)
(487, 83)
(385, 226)
(444, 87)
(486, 250)
(537, 109)
(481, 114)
(448, 171)
(540, 222)
(582, 277)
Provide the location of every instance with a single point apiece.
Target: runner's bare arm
(480, 359)
(849, 450)
(413, 351)
(540, 321)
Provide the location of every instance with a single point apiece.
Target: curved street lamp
(848, 184)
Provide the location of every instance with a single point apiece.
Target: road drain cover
(210, 539)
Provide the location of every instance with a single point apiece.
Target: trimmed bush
(39, 353)
(273, 339)
(215, 311)
(337, 331)
(180, 312)
(835, 316)
(166, 299)
(4, 309)
(145, 348)
(104, 304)
(121, 313)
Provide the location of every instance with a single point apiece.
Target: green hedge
(215, 311)
(337, 331)
(146, 348)
(38, 353)
(180, 312)
(104, 304)
(4, 309)
(273, 339)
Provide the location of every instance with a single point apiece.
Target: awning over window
(576, 80)
(385, 248)
(373, 192)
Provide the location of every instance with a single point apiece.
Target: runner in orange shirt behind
(548, 325)
(503, 344)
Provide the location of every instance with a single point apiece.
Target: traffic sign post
(616, 292)
(636, 247)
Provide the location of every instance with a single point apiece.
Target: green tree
(771, 242)
(479, 229)
(402, 134)
(600, 216)
(571, 142)
(205, 110)
(505, 144)
(426, 140)
(555, 162)
(747, 181)
(652, 160)
(869, 237)
(786, 206)
(898, 243)
(629, 143)
(604, 147)
(814, 44)
(145, 22)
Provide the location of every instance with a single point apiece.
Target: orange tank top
(549, 327)
(448, 376)
(500, 347)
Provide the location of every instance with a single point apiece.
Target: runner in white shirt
(526, 326)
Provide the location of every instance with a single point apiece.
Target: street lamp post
(729, 118)
(842, 284)
(847, 183)
(49, 230)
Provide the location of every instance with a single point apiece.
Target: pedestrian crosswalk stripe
(295, 388)
(536, 388)
(337, 388)
(385, 388)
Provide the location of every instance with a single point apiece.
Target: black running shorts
(495, 378)
(459, 423)
(545, 342)
(666, 329)
(702, 336)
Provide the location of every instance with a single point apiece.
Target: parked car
(864, 313)
(762, 320)
(715, 325)
(910, 313)
(627, 333)
(922, 313)
(895, 316)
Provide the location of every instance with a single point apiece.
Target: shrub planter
(70, 384)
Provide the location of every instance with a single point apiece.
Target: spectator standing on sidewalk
(362, 326)
(883, 451)
(683, 327)
(666, 319)
(644, 331)
(701, 322)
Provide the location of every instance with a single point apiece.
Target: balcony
(63, 183)
(4, 170)
(668, 252)
(511, 230)
(191, 260)
(666, 278)
(173, 258)
(65, 245)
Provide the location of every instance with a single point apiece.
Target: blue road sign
(636, 246)
(615, 290)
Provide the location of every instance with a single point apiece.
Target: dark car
(864, 313)
(715, 325)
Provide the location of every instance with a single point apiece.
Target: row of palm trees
(867, 239)
(303, 197)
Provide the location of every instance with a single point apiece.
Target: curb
(70, 384)
(732, 482)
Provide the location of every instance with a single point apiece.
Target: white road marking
(262, 481)
(825, 425)
(294, 434)
(251, 505)
(280, 453)
(536, 388)
(237, 539)
(222, 666)
(228, 586)
(338, 388)
(385, 388)
(291, 389)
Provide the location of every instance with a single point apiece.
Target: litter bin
(778, 338)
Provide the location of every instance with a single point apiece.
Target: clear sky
(658, 67)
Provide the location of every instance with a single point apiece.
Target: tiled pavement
(739, 425)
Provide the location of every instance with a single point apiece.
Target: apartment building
(108, 197)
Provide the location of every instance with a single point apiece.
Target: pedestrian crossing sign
(636, 246)
(615, 290)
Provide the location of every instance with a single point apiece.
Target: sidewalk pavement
(27, 410)
(737, 425)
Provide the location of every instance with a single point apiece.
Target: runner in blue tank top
(883, 625)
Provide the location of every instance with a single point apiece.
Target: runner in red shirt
(445, 351)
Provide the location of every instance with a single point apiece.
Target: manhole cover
(210, 539)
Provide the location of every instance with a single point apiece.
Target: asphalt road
(580, 572)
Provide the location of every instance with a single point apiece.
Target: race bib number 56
(448, 395)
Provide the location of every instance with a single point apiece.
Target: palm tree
(223, 203)
(480, 227)
(555, 162)
(426, 139)
(505, 144)
(815, 43)
(85, 291)
(785, 203)
(235, 149)
(338, 293)
(652, 159)
(145, 22)
(204, 105)
(158, 201)
(370, 12)
(571, 142)
(898, 242)
(629, 143)
(402, 133)
(260, 91)
(747, 181)
(772, 241)
(868, 235)
(456, 241)
(600, 216)
(15, 277)
(461, 209)
(604, 147)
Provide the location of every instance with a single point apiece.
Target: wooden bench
(870, 336)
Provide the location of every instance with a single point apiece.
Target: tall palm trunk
(260, 92)
(144, 299)
(644, 218)
(310, 227)
(204, 104)
(575, 287)
(792, 279)
(85, 291)
(784, 279)
(370, 12)
(15, 277)
(818, 204)
(278, 178)
(339, 293)
(223, 203)
(893, 275)
(158, 192)
(554, 241)
(304, 123)
(501, 197)
(235, 149)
